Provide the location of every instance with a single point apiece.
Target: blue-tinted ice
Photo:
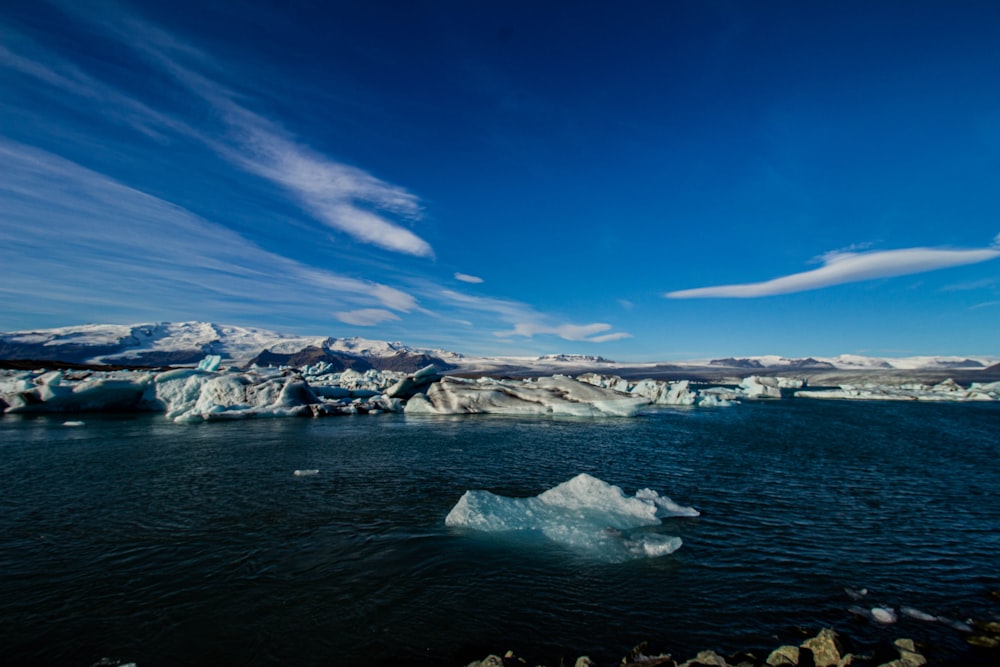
(584, 513)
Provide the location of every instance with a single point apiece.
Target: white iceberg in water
(555, 395)
(584, 513)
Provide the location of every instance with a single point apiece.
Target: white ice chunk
(555, 395)
(856, 594)
(653, 545)
(948, 390)
(192, 395)
(99, 392)
(917, 614)
(584, 513)
(961, 626)
(667, 506)
(210, 363)
(760, 387)
(714, 401)
(884, 615)
(658, 392)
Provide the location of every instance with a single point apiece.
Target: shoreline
(826, 648)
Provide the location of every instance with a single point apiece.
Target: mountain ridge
(186, 343)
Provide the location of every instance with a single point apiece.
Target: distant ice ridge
(211, 392)
(554, 395)
(198, 394)
(585, 514)
(192, 394)
(680, 392)
(949, 390)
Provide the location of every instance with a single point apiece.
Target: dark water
(164, 544)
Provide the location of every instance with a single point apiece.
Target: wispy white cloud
(528, 322)
(986, 283)
(66, 77)
(466, 278)
(848, 267)
(575, 332)
(338, 195)
(105, 247)
(366, 317)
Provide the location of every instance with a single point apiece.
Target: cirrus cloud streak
(848, 267)
(575, 332)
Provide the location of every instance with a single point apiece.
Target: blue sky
(637, 180)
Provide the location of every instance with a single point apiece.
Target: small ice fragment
(668, 506)
(856, 594)
(859, 611)
(306, 473)
(958, 625)
(653, 546)
(917, 614)
(884, 615)
(210, 363)
(73, 423)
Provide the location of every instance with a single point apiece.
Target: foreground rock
(826, 649)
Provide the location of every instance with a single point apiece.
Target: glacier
(585, 514)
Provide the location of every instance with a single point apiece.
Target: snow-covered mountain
(856, 362)
(185, 343)
(167, 343)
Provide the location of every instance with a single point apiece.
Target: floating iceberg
(554, 395)
(585, 514)
(657, 392)
(884, 615)
(948, 390)
(55, 392)
(917, 614)
(680, 392)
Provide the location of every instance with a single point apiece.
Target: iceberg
(585, 514)
(948, 390)
(680, 392)
(657, 392)
(54, 392)
(210, 363)
(554, 395)
(884, 615)
(917, 614)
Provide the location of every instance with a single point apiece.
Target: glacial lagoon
(305, 541)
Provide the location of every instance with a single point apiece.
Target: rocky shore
(827, 648)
